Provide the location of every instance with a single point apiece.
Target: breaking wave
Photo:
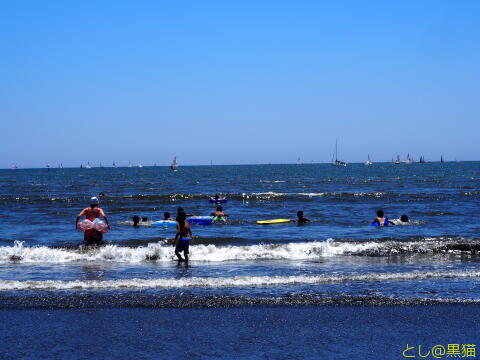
(227, 282)
(162, 251)
(262, 196)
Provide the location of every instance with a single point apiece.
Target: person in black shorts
(182, 237)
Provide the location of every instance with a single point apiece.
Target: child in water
(301, 219)
(136, 220)
(219, 212)
(382, 220)
(166, 216)
(219, 215)
(182, 237)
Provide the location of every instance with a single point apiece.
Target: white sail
(174, 164)
(368, 162)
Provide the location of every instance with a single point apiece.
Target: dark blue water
(336, 259)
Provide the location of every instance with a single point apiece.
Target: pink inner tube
(100, 226)
(85, 225)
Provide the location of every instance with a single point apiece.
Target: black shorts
(182, 245)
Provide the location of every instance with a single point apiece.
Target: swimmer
(217, 198)
(404, 218)
(301, 219)
(219, 212)
(93, 212)
(166, 216)
(136, 220)
(382, 220)
(144, 219)
(182, 237)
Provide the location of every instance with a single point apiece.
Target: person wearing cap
(91, 213)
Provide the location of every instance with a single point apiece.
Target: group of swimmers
(184, 232)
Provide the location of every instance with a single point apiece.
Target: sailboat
(368, 162)
(337, 162)
(397, 161)
(441, 159)
(88, 165)
(408, 160)
(14, 166)
(114, 165)
(174, 164)
(422, 160)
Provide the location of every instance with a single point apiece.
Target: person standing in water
(93, 212)
(182, 237)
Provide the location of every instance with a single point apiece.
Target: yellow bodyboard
(274, 221)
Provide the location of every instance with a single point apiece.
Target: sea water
(336, 259)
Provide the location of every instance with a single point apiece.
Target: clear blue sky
(237, 81)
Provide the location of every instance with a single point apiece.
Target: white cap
(94, 201)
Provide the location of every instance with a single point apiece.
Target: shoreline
(182, 301)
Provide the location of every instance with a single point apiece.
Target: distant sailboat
(174, 164)
(337, 162)
(397, 161)
(129, 164)
(441, 159)
(408, 160)
(422, 160)
(88, 165)
(60, 166)
(48, 167)
(114, 165)
(368, 162)
(14, 166)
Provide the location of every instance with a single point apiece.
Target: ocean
(335, 287)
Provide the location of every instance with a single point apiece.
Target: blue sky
(237, 82)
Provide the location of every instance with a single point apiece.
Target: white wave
(162, 251)
(272, 194)
(130, 223)
(228, 282)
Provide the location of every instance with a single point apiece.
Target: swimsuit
(183, 245)
(92, 236)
